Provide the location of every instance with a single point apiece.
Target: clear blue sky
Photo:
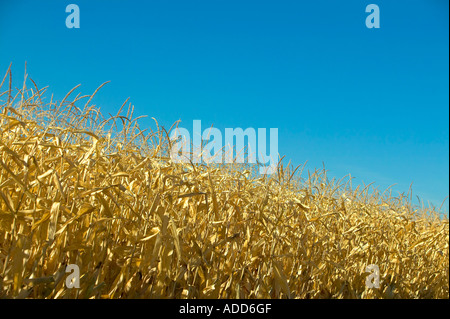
(370, 102)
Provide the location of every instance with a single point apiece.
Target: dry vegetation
(99, 193)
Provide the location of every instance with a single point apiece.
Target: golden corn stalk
(76, 188)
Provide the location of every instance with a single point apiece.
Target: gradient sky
(370, 102)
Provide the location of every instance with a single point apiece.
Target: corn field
(100, 193)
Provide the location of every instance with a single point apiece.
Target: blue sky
(370, 102)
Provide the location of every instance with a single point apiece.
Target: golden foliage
(75, 189)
